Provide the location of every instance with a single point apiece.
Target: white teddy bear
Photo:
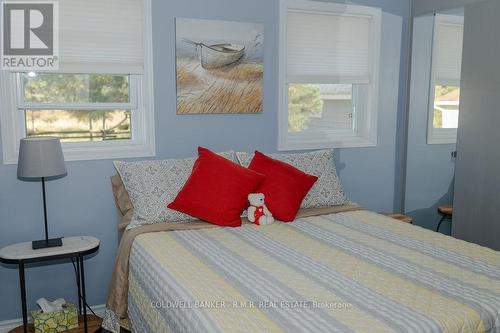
(258, 212)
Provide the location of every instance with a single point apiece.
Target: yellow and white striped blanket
(347, 272)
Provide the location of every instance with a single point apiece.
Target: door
(476, 216)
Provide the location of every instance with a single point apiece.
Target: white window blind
(448, 42)
(101, 36)
(329, 47)
(329, 74)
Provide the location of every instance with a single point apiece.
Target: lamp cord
(77, 283)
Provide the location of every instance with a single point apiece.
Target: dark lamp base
(43, 244)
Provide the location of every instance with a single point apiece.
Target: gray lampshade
(40, 157)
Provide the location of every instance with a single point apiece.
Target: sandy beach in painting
(233, 88)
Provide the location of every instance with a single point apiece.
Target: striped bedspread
(347, 272)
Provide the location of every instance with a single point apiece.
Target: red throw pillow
(217, 190)
(284, 187)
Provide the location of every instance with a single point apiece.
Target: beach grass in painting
(219, 67)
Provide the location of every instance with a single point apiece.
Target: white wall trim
(439, 136)
(143, 142)
(366, 133)
(7, 325)
(10, 147)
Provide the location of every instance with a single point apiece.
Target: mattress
(346, 272)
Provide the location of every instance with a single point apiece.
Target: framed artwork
(219, 66)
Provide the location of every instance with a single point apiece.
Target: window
(99, 102)
(446, 105)
(329, 75)
(315, 106)
(445, 80)
(78, 107)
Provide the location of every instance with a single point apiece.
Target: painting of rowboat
(219, 66)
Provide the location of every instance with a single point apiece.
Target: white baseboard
(7, 325)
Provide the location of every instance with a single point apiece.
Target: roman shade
(448, 42)
(331, 47)
(101, 36)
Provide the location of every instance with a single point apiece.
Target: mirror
(433, 117)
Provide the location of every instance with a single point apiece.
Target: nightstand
(399, 217)
(74, 248)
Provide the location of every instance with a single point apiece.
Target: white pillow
(327, 191)
(153, 184)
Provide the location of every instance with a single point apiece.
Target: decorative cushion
(152, 184)
(284, 187)
(327, 191)
(217, 190)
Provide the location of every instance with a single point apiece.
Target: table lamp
(41, 158)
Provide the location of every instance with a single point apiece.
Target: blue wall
(430, 168)
(82, 203)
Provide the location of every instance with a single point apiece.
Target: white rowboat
(219, 55)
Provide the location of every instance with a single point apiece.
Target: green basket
(57, 321)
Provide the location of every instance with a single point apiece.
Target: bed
(335, 268)
(354, 271)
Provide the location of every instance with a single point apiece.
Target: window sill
(303, 142)
(82, 152)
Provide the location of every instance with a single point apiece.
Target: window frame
(141, 104)
(364, 133)
(440, 136)
(132, 104)
(135, 96)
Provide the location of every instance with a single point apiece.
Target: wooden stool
(447, 212)
(399, 217)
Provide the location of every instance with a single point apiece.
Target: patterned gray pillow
(153, 184)
(327, 191)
